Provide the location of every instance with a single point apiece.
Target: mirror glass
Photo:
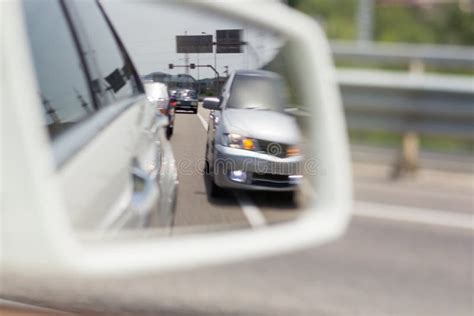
(242, 166)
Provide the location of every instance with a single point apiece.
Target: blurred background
(445, 22)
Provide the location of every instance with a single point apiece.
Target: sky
(148, 29)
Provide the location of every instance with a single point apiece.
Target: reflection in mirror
(236, 122)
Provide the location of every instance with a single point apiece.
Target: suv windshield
(257, 92)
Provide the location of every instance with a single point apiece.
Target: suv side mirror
(211, 103)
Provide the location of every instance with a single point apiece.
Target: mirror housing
(211, 103)
(36, 232)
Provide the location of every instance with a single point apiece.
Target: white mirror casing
(36, 234)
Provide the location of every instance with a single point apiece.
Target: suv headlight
(238, 141)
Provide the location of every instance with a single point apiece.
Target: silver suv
(252, 142)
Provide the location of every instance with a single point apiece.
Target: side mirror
(211, 103)
(40, 234)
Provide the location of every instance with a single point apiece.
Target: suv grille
(272, 148)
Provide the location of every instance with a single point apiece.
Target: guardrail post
(416, 66)
(408, 160)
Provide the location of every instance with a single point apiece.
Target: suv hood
(262, 124)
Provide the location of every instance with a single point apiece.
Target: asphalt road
(408, 251)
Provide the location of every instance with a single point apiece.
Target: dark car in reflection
(187, 99)
(252, 143)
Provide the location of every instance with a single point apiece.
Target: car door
(103, 132)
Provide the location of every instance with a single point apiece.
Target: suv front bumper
(262, 171)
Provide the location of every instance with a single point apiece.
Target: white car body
(96, 162)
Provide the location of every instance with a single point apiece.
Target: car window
(112, 78)
(188, 94)
(257, 92)
(61, 79)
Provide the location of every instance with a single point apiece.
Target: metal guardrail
(409, 104)
(400, 53)
(436, 105)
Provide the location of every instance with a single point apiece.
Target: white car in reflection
(157, 94)
(100, 137)
(252, 142)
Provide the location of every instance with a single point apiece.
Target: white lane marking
(414, 215)
(203, 121)
(253, 214)
(251, 211)
(400, 213)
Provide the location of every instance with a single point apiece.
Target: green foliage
(455, 26)
(337, 17)
(441, 24)
(446, 24)
(400, 24)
